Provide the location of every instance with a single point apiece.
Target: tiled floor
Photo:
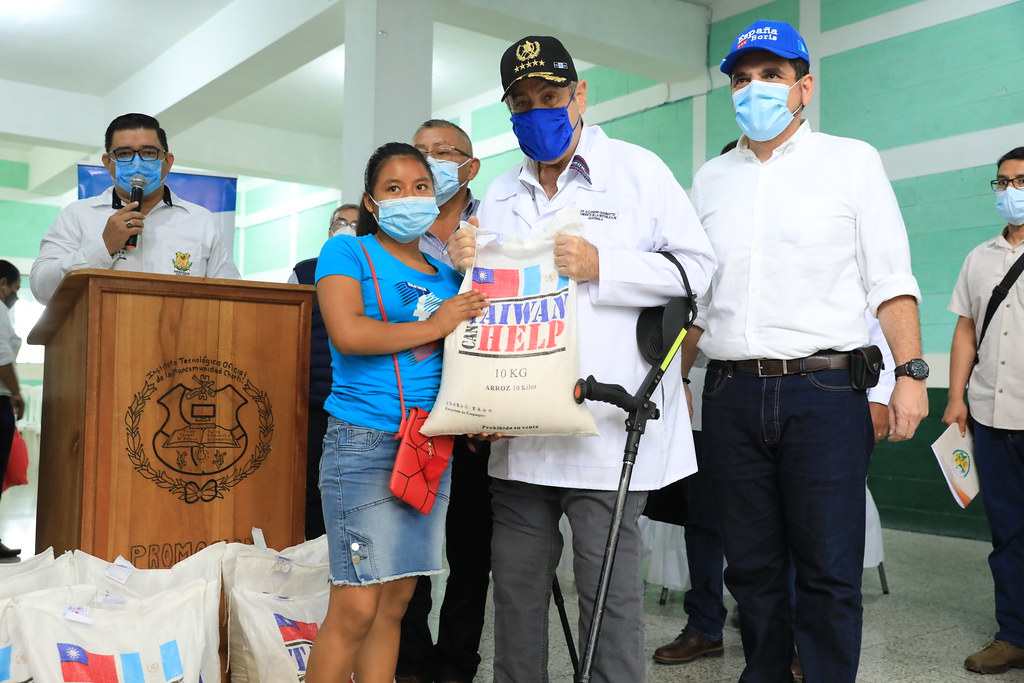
(938, 611)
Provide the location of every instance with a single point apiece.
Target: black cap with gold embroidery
(536, 57)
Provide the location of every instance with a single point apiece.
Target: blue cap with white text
(776, 37)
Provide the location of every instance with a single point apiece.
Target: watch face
(917, 368)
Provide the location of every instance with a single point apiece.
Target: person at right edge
(808, 235)
(631, 207)
(996, 415)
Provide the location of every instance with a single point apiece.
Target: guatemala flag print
(80, 666)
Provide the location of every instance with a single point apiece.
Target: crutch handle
(591, 389)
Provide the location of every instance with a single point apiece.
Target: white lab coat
(632, 208)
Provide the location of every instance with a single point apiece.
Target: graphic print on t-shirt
(426, 304)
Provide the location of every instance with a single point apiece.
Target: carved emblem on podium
(213, 428)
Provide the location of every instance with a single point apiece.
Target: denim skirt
(373, 536)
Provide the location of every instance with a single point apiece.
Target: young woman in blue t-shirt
(378, 544)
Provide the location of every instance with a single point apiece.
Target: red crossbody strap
(384, 317)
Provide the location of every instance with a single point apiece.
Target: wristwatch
(915, 368)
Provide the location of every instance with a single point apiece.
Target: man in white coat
(632, 208)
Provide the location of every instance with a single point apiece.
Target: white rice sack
(513, 369)
(279, 631)
(263, 570)
(77, 634)
(119, 580)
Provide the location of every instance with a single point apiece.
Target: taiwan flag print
(77, 665)
(510, 283)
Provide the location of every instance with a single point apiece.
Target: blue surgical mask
(762, 111)
(1010, 203)
(543, 133)
(446, 178)
(406, 218)
(151, 170)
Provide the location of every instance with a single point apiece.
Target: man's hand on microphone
(121, 225)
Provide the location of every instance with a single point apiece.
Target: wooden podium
(174, 414)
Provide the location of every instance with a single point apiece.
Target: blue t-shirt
(364, 390)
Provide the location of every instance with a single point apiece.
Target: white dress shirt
(178, 239)
(10, 344)
(996, 387)
(631, 207)
(806, 241)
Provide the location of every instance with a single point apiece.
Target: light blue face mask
(151, 170)
(1010, 204)
(446, 178)
(762, 111)
(406, 218)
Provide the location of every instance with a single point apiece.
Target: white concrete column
(388, 57)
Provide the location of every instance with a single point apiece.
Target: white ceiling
(221, 74)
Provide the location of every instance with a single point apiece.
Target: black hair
(729, 146)
(134, 122)
(1013, 154)
(466, 145)
(367, 223)
(801, 66)
(10, 272)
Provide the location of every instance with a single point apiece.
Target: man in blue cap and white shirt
(808, 235)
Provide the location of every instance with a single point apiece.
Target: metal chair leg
(881, 577)
(664, 596)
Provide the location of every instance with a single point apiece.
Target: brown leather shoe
(686, 648)
(995, 658)
(796, 669)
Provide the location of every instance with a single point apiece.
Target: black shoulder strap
(686, 285)
(998, 294)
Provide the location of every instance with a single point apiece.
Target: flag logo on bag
(298, 637)
(5, 663)
(77, 665)
(507, 283)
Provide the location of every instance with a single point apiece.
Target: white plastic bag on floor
(125, 581)
(41, 572)
(298, 571)
(279, 632)
(513, 369)
(75, 634)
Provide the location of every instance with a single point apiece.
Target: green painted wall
(721, 123)
(725, 31)
(492, 167)
(664, 130)
(605, 84)
(23, 226)
(908, 487)
(274, 194)
(13, 174)
(311, 230)
(266, 246)
(836, 13)
(491, 121)
(928, 84)
(947, 215)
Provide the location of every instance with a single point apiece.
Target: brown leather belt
(769, 367)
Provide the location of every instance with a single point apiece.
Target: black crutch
(675, 321)
(556, 592)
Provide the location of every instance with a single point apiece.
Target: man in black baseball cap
(630, 206)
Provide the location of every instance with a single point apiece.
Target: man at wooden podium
(161, 234)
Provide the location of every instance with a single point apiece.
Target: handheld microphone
(138, 183)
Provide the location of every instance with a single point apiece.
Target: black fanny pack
(865, 366)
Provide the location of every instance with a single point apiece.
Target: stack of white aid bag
(513, 369)
(77, 633)
(277, 601)
(119, 581)
(41, 572)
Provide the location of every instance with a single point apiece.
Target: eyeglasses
(126, 154)
(1000, 184)
(443, 152)
(341, 222)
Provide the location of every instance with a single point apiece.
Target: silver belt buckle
(762, 373)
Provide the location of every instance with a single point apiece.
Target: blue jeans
(999, 456)
(787, 457)
(705, 610)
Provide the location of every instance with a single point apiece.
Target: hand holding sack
(513, 368)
